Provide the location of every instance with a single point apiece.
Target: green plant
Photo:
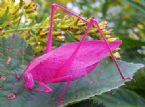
(13, 93)
(17, 49)
(66, 28)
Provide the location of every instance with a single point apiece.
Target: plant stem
(22, 29)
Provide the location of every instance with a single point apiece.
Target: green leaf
(99, 82)
(14, 54)
(137, 5)
(136, 84)
(131, 54)
(103, 79)
(4, 17)
(87, 103)
(130, 43)
(120, 98)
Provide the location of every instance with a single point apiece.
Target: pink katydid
(70, 61)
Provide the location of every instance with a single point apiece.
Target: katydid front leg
(59, 99)
(19, 76)
(49, 37)
(47, 89)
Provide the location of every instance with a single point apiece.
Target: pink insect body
(70, 61)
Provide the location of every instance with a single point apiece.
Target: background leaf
(14, 54)
(120, 98)
(95, 83)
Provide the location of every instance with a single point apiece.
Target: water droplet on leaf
(3, 77)
(8, 60)
(11, 96)
(3, 68)
(1, 54)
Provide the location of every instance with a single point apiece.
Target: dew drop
(3, 68)
(8, 60)
(23, 66)
(1, 87)
(107, 62)
(3, 77)
(8, 49)
(21, 51)
(11, 96)
(1, 54)
(98, 74)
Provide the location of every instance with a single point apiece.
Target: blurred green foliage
(126, 18)
(126, 15)
(31, 20)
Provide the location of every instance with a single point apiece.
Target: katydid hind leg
(114, 59)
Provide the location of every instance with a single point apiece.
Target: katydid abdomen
(47, 67)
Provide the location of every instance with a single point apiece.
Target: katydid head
(28, 81)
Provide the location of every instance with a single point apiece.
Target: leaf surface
(103, 79)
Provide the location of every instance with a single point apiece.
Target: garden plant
(52, 56)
